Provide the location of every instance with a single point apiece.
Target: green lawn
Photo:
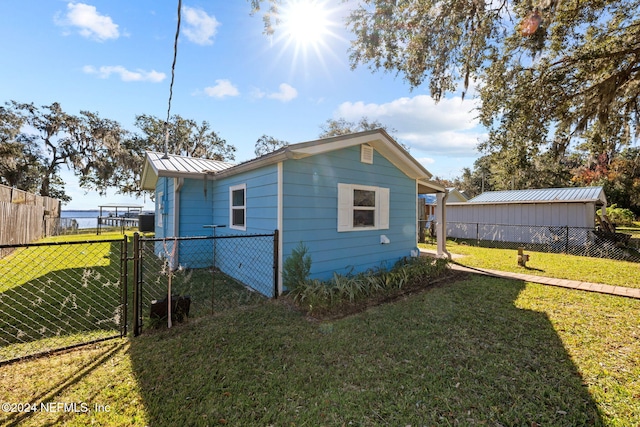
(52, 296)
(31, 263)
(634, 230)
(598, 270)
(481, 351)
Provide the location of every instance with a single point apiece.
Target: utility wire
(173, 74)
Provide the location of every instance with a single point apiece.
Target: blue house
(352, 200)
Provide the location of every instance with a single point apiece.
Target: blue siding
(310, 208)
(196, 207)
(249, 260)
(163, 213)
(311, 205)
(261, 199)
(246, 260)
(164, 207)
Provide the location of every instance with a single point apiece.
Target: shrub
(619, 216)
(345, 290)
(296, 268)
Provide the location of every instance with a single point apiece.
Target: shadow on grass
(59, 381)
(59, 295)
(209, 292)
(456, 354)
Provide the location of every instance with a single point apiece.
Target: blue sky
(114, 57)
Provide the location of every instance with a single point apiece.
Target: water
(85, 219)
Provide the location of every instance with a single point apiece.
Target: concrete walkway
(571, 284)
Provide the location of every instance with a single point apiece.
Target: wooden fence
(25, 217)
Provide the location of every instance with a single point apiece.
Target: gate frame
(123, 303)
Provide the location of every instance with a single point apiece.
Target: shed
(351, 199)
(429, 202)
(549, 207)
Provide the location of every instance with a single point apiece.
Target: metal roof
(158, 165)
(188, 167)
(547, 195)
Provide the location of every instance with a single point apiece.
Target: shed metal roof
(543, 195)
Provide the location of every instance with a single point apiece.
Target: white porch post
(441, 225)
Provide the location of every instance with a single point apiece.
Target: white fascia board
(320, 146)
(378, 140)
(149, 174)
(252, 164)
(401, 159)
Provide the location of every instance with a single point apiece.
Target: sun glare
(307, 32)
(305, 22)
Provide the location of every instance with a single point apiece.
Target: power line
(173, 74)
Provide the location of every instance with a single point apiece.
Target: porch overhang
(430, 187)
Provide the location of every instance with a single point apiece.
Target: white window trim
(231, 207)
(159, 208)
(346, 208)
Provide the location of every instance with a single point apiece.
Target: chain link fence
(60, 295)
(553, 239)
(205, 274)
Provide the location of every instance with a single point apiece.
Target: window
(362, 207)
(238, 207)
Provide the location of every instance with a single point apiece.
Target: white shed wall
(541, 214)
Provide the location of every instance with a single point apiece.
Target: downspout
(441, 231)
(417, 221)
(177, 185)
(280, 225)
(164, 208)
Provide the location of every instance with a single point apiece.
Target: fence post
(566, 240)
(124, 278)
(276, 258)
(136, 286)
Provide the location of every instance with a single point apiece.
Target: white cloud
(222, 88)
(125, 75)
(286, 93)
(449, 126)
(426, 160)
(199, 26)
(89, 22)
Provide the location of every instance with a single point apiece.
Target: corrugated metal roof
(577, 194)
(183, 164)
(177, 166)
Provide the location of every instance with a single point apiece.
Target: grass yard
(480, 351)
(597, 270)
(634, 230)
(53, 296)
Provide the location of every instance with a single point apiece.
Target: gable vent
(366, 154)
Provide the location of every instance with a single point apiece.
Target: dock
(120, 216)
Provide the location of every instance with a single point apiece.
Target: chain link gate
(60, 295)
(203, 275)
